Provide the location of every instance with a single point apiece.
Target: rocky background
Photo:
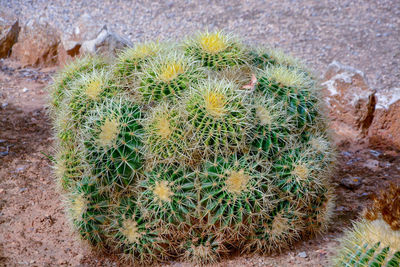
(353, 45)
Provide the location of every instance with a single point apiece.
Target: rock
(106, 42)
(20, 169)
(375, 153)
(351, 182)
(37, 44)
(90, 36)
(86, 28)
(340, 208)
(371, 164)
(302, 254)
(23, 189)
(9, 29)
(385, 128)
(350, 100)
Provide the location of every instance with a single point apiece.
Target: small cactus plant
(192, 149)
(375, 239)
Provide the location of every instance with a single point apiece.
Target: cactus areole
(192, 149)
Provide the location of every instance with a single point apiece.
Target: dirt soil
(35, 232)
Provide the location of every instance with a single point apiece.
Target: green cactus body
(134, 236)
(90, 89)
(370, 244)
(318, 210)
(231, 192)
(297, 173)
(218, 115)
(192, 150)
(72, 72)
(168, 76)
(169, 195)
(277, 230)
(203, 246)
(292, 87)
(131, 60)
(216, 50)
(88, 206)
(266, 57)
(69, 167)
(113, 141)
(375, 239)
(273, 132)
(167, 136)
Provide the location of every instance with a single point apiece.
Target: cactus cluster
(375, 239)
(192, 149)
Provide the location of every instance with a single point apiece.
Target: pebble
(365, 194)
(19, 169)
(25, 90)
(352, 161)
(351, 182)
(340, 208)
(302, 254)
(372, 164)
(375, 153)
(346, 153)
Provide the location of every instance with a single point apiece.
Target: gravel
(361, 33)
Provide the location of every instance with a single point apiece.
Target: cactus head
(375, 239)
(112, 137)
(168, 76)
(218, 115)
(216, 50)
(71, 72)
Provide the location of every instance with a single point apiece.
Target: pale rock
(106, 42)
(85, 29)
(302, 254)
(90, 36)
(371, 164)
(351, 102)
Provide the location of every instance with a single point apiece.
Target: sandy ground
(362, 33)
(35, 232)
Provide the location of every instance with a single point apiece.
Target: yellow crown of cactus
(213, 42)
(171, 71)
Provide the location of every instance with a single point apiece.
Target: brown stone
(350, 101)
(9, 30)
(385, 128)
(37, 45)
